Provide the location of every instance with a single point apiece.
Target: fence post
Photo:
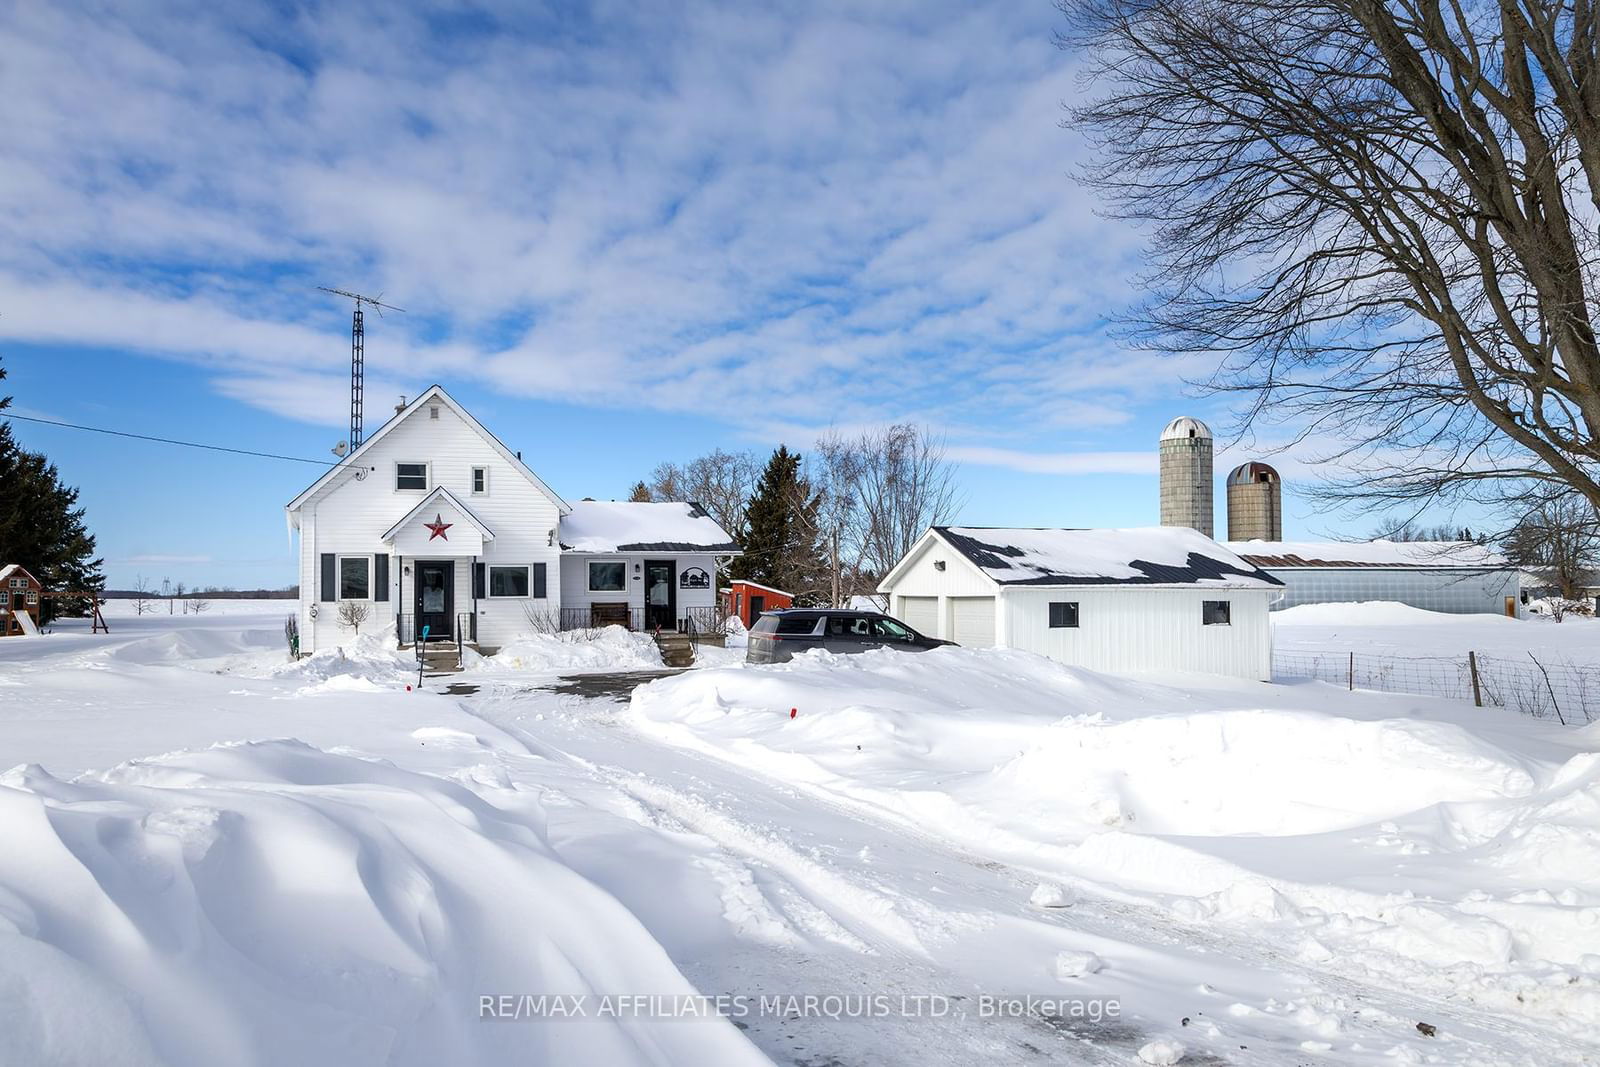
(1350, 677)
(1472, 665)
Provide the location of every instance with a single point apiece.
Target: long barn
(1129, 601)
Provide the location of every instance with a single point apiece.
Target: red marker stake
(793, 712)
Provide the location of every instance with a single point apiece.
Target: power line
(169, 441)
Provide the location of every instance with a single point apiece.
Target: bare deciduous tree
(1380, 213)
(877, 494)
(353, 613)
(1558, 542)
(198, 605)
(1408, 530)
(144, 599)
(719, 481)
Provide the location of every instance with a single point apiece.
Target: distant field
(1394, 630)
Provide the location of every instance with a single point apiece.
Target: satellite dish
(340, 449)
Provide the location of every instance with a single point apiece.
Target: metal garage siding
(972, 621)
(921, 613)
(1134, 630)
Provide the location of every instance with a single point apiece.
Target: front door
(660, 595)
(435, 599)
(758, 604)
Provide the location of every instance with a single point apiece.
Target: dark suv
(778, 635)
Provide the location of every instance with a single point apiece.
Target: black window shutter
(477, 581)
(538, 581)
(330, 576)
(380, 577)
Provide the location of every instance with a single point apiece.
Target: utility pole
(358, 357)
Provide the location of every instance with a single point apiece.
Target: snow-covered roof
(1154, 555)
(757, 585)
(1380, 553)
(14, 568)
(626, 526)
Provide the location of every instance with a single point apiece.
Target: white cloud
(1056, 462)
(843, 212)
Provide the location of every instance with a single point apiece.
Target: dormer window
(411, 476)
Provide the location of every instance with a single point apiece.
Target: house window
(33, 598)
(411, 476)
(480, 480)
(1064, 615)
(1216, 613)
(19, 583)
(608, 576)
(508, 581)
(354, 580)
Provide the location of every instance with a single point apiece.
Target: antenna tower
(358, 356)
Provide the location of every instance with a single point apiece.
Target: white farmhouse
(433, 523)
(1157, 599)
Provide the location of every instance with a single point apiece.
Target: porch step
(676, 649)
(440, 657)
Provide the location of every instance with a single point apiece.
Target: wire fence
(1566, 692)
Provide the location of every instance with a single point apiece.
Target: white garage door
(973, 621)
(921, 613)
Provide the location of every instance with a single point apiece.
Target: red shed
(748, 600)
(19, 608)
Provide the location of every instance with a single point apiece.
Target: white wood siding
(350, 516)
(921, 577)
(575, 580)
(1129, 629)
(1124, 629)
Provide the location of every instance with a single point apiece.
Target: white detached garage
(1153, 599)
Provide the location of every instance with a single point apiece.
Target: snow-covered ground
(1399, 630)
(216, 856)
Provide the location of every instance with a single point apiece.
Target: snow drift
(1402, 845)
(270, 902)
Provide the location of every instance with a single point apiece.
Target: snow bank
(613, 648)
(1378, 613)
(1333, 823)
(274, 903)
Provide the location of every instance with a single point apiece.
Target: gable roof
(618, 526)
(431, 500)
(1153, 555)
(16, 568)
(433, 392)
(1376, 553)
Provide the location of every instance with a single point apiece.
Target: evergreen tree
(640, 494)
(41, 526)
(780, 547)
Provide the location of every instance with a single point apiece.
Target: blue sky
(623, 232)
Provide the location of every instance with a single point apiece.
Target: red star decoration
(438, 527)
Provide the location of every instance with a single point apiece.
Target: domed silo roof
(1185, 426)
(1246, 473)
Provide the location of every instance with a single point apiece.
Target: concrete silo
(1255, 503)
(1186, 475)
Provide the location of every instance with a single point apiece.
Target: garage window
(1064, 615)
(1216, 613)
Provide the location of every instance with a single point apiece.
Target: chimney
(398, 408)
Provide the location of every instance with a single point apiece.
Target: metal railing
(1543, 688)
(465, 630)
